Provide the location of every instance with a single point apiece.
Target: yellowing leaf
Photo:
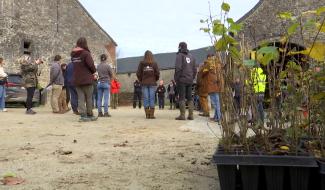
(320, 10)
(317, 52)
(285, 15)
(320, 27)
(284, 148)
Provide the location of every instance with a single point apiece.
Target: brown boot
(152, 113)
(147, 110)
(190, 110)
(182, 111)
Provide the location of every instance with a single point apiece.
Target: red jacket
(115, 87)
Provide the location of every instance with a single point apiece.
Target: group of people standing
(181, 87)
(74, 83)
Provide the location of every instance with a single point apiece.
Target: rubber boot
(190, 110)
(146, 110)
(182, 111)
(152, 113)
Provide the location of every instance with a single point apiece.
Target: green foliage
(224, 42)
(206, 30)
(219, 29)
(320, 10)
(225, 7)
(250, 63)
(235, 28)
(285, 16)
(267, 54)
(293, 28)
(230, 21)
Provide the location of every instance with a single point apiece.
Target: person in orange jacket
(115, 90)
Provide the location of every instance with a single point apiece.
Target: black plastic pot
(227, 176)
(275, 168)
(274, 177)
(249, 177)
(322, 174)
(299, 177)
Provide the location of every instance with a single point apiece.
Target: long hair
(82, 43)
(1, 60)
(148, 57)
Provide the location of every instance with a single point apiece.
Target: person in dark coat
(185, 72)
(148, 74)
(172, 91)
(137, 94)
(83, 78)
(161, 90)
(71, 88)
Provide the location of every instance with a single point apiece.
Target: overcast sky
(158, 25)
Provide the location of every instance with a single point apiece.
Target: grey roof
(250, 12)
(165, 60)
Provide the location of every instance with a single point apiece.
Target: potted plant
(254, 153)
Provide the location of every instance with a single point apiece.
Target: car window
(15, 79)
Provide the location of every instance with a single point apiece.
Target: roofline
(251, 11)
(92, 18)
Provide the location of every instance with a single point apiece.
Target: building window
(27, 47)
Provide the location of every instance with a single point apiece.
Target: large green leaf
(221, 45)
(235, 28)
(249, 63)
(285, 15)
(267, 54)
(293, 28)
(234, 53)
(219, 29)
(317, 52)
(320, 10)
(230, 20)
(225, 7)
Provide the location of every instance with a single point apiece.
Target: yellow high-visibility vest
(259, 80)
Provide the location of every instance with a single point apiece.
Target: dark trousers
(30, 95)
(73, 98)
(237, 103)
(161, 102)
(85, 102)
(137, 97)
(185, 92)
(68, 96)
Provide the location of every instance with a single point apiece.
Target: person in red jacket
(115, 90)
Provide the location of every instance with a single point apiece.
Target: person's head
(161, 82)
(237, 80)
(148, 57)
(57, 58)
(103, 58)
(1, 61)
(82, 43)
(317, 69)
(182, 48)
(25, 59)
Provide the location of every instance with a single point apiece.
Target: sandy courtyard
(122, 152)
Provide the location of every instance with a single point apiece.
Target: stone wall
(261, 24)
(47, 28)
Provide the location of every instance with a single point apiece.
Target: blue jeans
(103, 89)
(148, 96)
(73, 98)
(215, 100)
(2, 97)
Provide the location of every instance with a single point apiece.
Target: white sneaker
(4, 110)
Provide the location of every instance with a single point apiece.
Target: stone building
(261, 24)
(44, 28)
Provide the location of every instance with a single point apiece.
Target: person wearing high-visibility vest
(259, 84)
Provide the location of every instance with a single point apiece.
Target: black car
(16, 92)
